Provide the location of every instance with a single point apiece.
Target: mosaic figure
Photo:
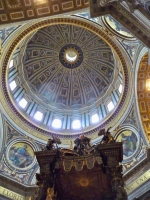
(117, 26)
(21, 155)
(129, 141)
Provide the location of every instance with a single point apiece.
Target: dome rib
(86, 83)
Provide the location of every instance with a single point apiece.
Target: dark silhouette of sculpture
(82, 144)
(49, 145)
(107, 137)
(51, 142)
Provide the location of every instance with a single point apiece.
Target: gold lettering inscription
(139, 181)
(10, 194)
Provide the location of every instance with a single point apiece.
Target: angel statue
(51, 142)
(82, 145)
(107, 137)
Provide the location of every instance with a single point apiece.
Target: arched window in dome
(76, 124)
(23, 103)
(120, 88)
(94, 118)
(57, 123)
(120, 76)
(13, 85)
(11, 64)
(110, 106)
(38, 116)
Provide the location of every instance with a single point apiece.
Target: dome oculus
(71, 56)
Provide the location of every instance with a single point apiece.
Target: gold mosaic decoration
(143, 93)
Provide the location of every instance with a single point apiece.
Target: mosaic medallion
(130, 143)
(21, 155)
(116, 26)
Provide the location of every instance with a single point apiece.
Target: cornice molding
(123, 16)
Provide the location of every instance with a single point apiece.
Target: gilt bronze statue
(82, 144)
(107, 137)
(51, 142)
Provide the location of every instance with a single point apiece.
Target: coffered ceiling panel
(21, 10)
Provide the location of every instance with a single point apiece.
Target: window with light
(120, 88)
(110, 106)
(57, 123)
(76, 124)
(38, 116)
(11, 64)
(94, 118)
(13, 85)
(23, 103)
